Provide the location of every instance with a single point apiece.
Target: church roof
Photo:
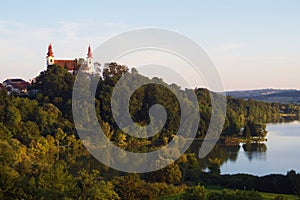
(66, 63)
(69, 64)
(50, 51)
(89, 54)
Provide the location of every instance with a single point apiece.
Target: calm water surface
(279, 154)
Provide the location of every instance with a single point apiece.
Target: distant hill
(268, 95)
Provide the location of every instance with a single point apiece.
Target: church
(72, 65)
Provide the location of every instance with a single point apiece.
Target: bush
(235, 195)
(197, 192)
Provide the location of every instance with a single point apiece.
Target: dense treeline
(273, 183)
(41, 156)
(56, 84)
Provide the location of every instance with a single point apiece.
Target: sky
(254, 44)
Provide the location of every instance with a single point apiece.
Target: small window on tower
(90, 62)
(50, 60)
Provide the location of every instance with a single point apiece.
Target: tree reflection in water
(255, 150)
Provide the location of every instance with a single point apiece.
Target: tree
(132, 187)
(120, 138)
(92, 186)
(13, 117)
(197, 192)
(108, 132)
(59, 136)
(170, 174)
(54, 83)
(258, 130)
(56, 183)
(214, 166)
(113, 70)
(8, 178)
(247, 133)
(4, 132)
(294, 180)
(28, 131)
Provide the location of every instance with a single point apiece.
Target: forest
(42, 157)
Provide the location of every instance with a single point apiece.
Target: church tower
(89, 59)
(50, 55)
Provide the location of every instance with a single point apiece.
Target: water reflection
(232, 151)
(255, 150)
(278, 155)
(220, 151)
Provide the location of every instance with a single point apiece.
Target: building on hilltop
(72, 65)
(16, 86)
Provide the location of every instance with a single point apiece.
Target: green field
(267, 196)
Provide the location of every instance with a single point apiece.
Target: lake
(279, 154)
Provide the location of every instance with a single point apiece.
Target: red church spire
(89, 54)
(50, 52)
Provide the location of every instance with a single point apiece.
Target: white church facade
(72, 65)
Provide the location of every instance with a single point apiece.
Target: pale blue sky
(254, 44)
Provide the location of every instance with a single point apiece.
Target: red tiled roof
(21, 86)
(13, 80)
(69, 64)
